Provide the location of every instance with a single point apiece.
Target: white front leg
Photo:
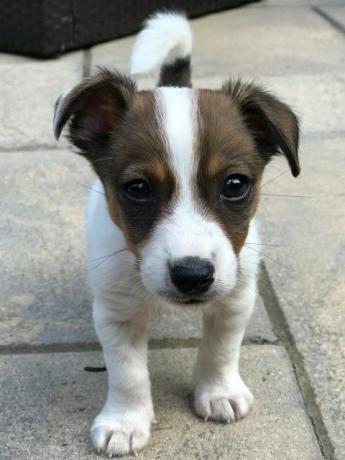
(220, 393)
(123, 426)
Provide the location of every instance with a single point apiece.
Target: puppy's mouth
(186, 300)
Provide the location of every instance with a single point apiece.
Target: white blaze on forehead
(184, 227)
(177, 110)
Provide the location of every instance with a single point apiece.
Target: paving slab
(309, 278)
(43, 294)
(252, 41)
(44, 298)
(28, 91)
(48, 402)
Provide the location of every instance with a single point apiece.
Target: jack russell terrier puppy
(179, 172)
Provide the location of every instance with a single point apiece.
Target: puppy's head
(181, 170)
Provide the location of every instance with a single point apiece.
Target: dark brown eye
(138, 190)
(235, 188)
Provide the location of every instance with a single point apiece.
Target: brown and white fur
(179, 173)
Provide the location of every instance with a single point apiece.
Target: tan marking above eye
(215, 165)
(155, 169)
(218, 164)
(158, 170)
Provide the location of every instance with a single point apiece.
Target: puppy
(179, 172)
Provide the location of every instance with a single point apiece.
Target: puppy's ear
(272, 123)
(94, 109)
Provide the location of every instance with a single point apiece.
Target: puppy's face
(181, 169)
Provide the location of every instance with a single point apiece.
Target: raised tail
(166, 43)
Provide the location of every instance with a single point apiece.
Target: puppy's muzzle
(192, 275)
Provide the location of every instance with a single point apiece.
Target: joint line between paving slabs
(154, 344)
(25, 348)
(333, 22)
(30, 148)
(75, 347)
(285, 336)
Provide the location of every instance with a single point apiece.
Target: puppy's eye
(235, 188)
(138, 190)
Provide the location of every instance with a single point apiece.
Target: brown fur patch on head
(137, 150)
(226, 147)
(116, 129)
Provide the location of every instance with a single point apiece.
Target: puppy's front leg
(220, 393)
(123, 425)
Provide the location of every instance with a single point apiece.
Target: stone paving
(294, 352)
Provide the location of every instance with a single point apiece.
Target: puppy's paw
(228, 402)
(121, 433)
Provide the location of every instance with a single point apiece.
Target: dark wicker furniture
(50, 27)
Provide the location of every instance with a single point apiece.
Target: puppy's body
(171, 220)
(121, 311)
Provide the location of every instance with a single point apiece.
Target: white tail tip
(165, 38)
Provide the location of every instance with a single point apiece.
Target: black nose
(192, 275)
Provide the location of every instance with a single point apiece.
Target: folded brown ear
(93, 109)
(273, 124)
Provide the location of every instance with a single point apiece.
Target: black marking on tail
(177, 73)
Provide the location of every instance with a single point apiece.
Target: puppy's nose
(192, 275)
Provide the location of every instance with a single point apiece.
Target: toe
(100, 438)
(240, 407)
(138, 440)
(118, 444)
(222, 410)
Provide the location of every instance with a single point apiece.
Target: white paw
(121, 433)
(228, 402)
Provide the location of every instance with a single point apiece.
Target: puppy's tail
(166, 43)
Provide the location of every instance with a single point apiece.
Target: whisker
(103, 159)
(90, 188)
(287, 196)
(270, 258)
(107, 255)
(265, 244)
(274, 178)
(133, 275)
(271, 165)
(122, 281)
(102, 262)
